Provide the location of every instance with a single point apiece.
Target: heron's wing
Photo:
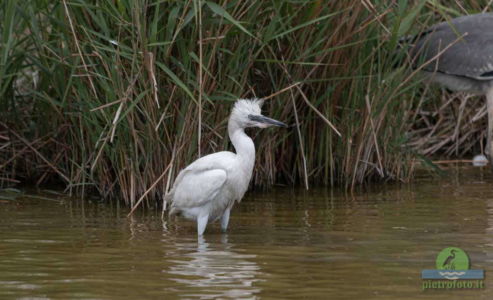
(197, 187)
(464, 47)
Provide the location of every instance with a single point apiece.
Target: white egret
(207, 189)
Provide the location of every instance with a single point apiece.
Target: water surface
(283, 243)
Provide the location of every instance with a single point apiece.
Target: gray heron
(207, 189)
(459, 53)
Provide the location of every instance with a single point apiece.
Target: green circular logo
(452, 258)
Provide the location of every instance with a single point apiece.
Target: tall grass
(117, 96)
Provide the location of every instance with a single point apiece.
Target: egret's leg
(201, 244)
(225, 219)
(202, 224)
(489, 135)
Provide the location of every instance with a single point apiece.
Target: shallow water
(283, 243)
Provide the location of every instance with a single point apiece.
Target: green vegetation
(118, 95)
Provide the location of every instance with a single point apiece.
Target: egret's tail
(168, 198)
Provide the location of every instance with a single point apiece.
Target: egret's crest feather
(248, 106)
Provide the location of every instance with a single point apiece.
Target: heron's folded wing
(462, 47)
(197, 187)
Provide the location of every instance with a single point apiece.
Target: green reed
(116, 96)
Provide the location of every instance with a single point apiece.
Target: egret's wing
(197, 187)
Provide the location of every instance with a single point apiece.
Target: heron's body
(460, 56)
(207, 189)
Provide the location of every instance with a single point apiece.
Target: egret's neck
(243, 144)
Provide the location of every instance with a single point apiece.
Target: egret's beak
(266, 121)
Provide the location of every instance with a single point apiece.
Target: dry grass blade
(281, 91)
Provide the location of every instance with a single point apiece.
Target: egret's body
(460, 56)
(207, 189)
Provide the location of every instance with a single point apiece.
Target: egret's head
(247, 113)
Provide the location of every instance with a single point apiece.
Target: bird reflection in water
(213, 270)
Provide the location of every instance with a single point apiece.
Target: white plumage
(207, 189)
